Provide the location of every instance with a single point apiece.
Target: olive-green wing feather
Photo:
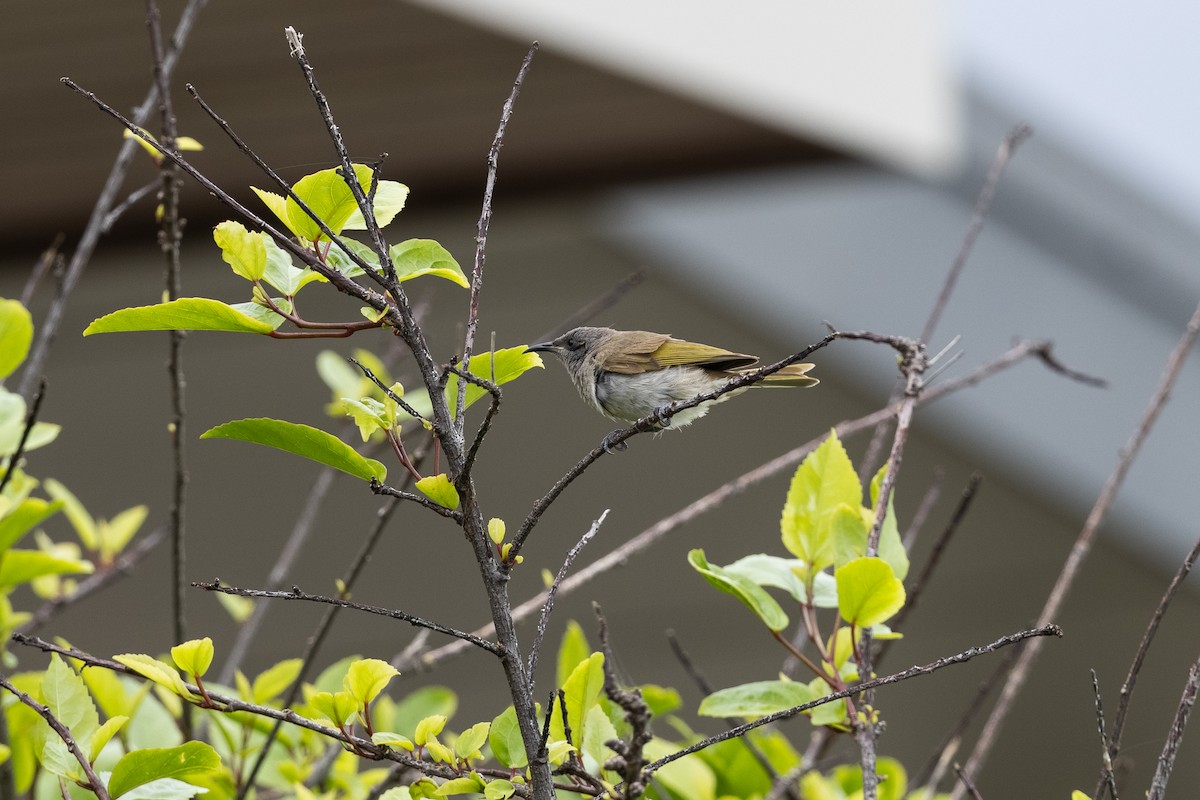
(650, 351)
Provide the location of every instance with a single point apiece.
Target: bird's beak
(541, 347)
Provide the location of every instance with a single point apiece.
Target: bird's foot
(662, 415)
(610, 444)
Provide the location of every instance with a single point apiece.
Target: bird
(631, 375)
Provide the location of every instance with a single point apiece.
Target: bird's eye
(574, 343)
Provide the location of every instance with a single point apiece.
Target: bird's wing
(656, 351)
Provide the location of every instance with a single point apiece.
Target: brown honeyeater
(628, 375)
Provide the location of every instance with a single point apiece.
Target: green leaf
(754, 596)
(468, 784)
(573, 649)
(344, 264)
(428, 729)
(12, 425)
(77, 515)
(499, 368)
(849, 526)
(686, 777)
(69, 700)
(469, 741)
(281, 273)
(891, 547)
(868, 591)
(417, 257)
(194, 657)
(260, 313)
(662, 700)
(302, 440)
(755, 699)
(16, 335)
(440, 490)
(242, 250)
(274, 680)
(24, 518)
(238, 608)
(190, 760)
(22, 566)
(160, 672)
(327, 195)
(499, 789)
(114, 534)
(767, 570)
(425, 702)
(581, 692)
(393, 740)
(338, 707)
(367, 678)
(108, 691)
(104, 734)
(389, 200)
(504, 737)
(184, 314)
(823, 482)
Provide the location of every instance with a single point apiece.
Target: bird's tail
(791, 375)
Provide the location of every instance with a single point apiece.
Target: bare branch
(14, 458)
(911, 672)
(97, 580)
(64, 733)
(548, 606)
(1139, 658)
(1083, 543)
(47, 331)
(296, 594)
(1166, 761)
(1106, 776)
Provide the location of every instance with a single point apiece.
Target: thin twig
(1135, 668)
(983, 204)
(933, 770)
(425, 502)
(94, 783)
(14, 458)
(282, 184)
(96, 581)
(348, 173)
(1106, 776)
(129, 202)
(630, 761)
(399, 318)
(782, 786)
(924, 509)
(939, 546)
(297, 594)
(313, 646)
(548, 606)
(51, 260)
(1166, 760)
(387, 390)
(966, 783)
(481, 230)
(911, 672)
(48, 330)
(301, 531)
(1016, 680)
(170, 232)
(601, 303)
(651, 423)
